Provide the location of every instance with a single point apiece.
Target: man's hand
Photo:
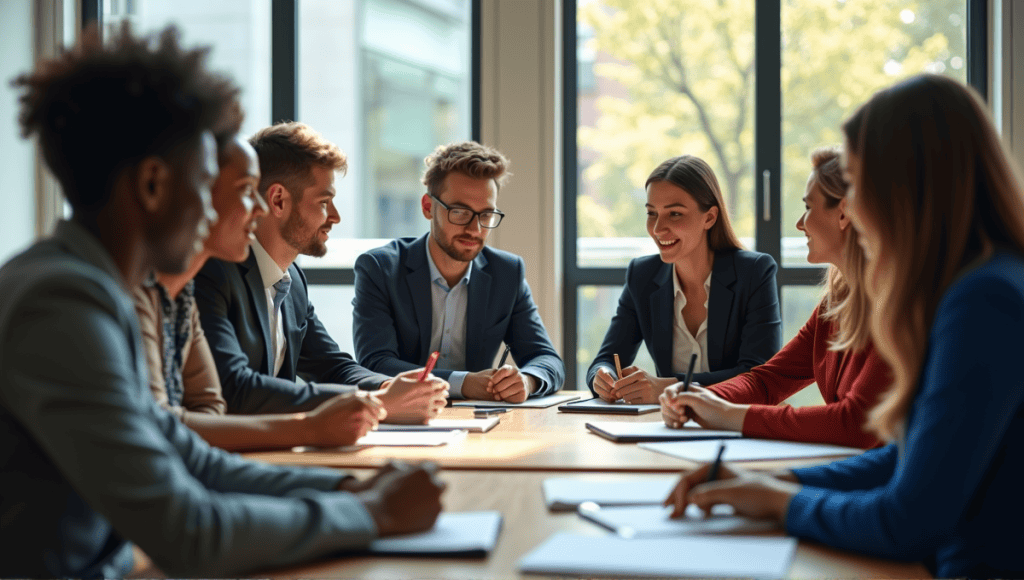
(750, 494)
(409, 400)
(509, 384)
(403, 499)
(474, 386)
(637, 386)
(703, 406)
(603, 381)
(343, 419)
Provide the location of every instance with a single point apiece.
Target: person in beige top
(183, 376)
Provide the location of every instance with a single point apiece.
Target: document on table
(748, 450)
(472, 425)
(600, 406)
(566, 493)
(653, 521)
(410, 438)
(632, 432)
(538, 403)
(470, 534)
(706, 556)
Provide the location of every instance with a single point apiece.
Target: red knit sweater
(850, 384)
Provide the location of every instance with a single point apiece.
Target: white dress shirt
(270, 272)
(448, 323)
(685, 344)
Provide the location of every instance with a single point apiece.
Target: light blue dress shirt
(448, 323)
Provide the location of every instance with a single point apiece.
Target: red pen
(430, 365)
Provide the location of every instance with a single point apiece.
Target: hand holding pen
(508, 383)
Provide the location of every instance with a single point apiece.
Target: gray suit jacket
(89, 462)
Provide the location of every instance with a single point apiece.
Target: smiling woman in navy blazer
(701, 294)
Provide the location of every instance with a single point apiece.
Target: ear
(426, 204)
(844, 216)
(152, 183)
(279, 200)
(711, 217)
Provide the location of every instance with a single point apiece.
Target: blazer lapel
(476, 312)
(720, 303)
(420, 292)
(662, 315)
(258, 297)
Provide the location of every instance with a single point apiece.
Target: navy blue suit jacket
(744, 326)
(392, 313)
(233, 311)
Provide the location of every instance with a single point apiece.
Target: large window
(749, 87)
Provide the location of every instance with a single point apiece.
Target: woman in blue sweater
(940, 211)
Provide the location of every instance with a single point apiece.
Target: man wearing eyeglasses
(446, 291)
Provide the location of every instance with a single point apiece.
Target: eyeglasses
(460, 216)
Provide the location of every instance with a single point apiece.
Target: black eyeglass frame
(476, 214)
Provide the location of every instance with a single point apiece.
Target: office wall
(17, 197)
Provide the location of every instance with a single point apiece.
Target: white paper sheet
(410, 438)
(632, 432)
(714, 556)
(565, 493)
(538, 403)
(467, 533)
(748, 450)
(654, 521)
(471, 425)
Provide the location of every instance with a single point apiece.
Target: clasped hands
(505, 383)
(636, 386)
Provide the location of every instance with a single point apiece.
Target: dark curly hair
(99, 109)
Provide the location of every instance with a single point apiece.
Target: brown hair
(468, 158)
(694, 176)
(846, 301)
(937, 184)
(288, 152)
(141, 96)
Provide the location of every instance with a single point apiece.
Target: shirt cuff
(455, 384)
(542, 385)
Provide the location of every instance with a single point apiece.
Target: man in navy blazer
(446, 291)
(258, 320)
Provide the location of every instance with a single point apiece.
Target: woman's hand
(638, 386)
(703, 406)
(751, 494)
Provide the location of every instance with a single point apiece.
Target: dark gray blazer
(744, 326)
(233, 311)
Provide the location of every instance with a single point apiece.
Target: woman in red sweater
(833, 348)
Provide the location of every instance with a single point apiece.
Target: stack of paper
(455, 534)
(632, 432)
(698, 556)
(652, 521)
(566, 493)
(471, 425)
(748, 450)
(410, 438)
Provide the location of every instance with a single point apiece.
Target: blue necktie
(281, 288)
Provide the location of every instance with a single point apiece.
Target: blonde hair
(694, 176)
(937, 184)
(468, 158)
(288, 152)
(845, 303)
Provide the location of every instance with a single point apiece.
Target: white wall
(17, 218)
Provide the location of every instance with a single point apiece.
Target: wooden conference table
(503, 470)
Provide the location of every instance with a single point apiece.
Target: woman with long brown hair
(833, 349)
(940, 210)
(702, 294)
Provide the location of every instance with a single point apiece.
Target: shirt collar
(270, 272)
(678, 290)
(435, 274)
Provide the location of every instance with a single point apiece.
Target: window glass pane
(835, 55)
(659, 79)
(388, 81)
(798, 302)
(333, 304)
(596, 306)
(238, 30)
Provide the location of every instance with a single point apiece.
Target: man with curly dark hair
(447, 291)
(89, 462)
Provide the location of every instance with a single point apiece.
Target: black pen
(713, 472)
(504, 357)
(689, 372)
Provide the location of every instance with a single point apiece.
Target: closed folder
(632, 432)
(599, 406)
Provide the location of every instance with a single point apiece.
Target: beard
(294, 232)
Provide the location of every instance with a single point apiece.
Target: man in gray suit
(89, 462)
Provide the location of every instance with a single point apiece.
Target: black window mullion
(284, 86)
(570, 183)
(768, 127)
(977, 46)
